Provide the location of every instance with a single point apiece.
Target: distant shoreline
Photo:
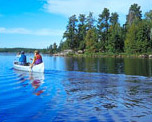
(15, 50)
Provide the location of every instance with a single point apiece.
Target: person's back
(22, 59)
(38, 59)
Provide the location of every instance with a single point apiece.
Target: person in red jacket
(37, 58)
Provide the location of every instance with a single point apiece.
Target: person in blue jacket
(22, 59)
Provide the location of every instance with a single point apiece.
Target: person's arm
(33, 61)
(18, 56)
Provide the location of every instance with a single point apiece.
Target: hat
(36, 51)
(22, 52)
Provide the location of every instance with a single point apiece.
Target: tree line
(26, 50)
(106, 34)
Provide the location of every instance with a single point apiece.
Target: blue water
(77, 90)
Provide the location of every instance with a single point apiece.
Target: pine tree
(138, 38)
(130, 41)
(54, 48)
(148, 15)
(91, 40)
(71, 33)
(143, 37)
(102, 27)
(90, 21)
(134, 15)
(115, 40)
(82, 29)
(51, 49)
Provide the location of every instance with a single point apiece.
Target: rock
(143, 56)
(150, 56)
(68, 51)
(80, 52)
(64, 53)
(119, 56)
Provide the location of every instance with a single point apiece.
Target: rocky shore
(81, 53)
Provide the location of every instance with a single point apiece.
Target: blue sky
(39, 23)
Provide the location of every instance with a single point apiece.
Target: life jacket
(38, 59)
(22, 58)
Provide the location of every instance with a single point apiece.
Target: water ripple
(74, 96)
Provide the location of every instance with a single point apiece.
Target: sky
(39, 23)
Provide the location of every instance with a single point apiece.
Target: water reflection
(37, 79)
(138, 67)
(91, 89)
(33, 79)
(112, 96)
(129, 66)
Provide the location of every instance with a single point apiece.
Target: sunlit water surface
(77, 90)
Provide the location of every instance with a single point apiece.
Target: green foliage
(143, 37)
(53, 48)
(148, 15)
(91, 40)
(107, 35)
(90, 21)
(130, 39)
(138, 38)
(114, 18)
(102, 27)
(71, 33)
(50, 49)
(134, 15)
(115, 40)
(82, 30)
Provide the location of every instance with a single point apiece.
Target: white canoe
(35, 68)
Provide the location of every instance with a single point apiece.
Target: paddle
(31, 65)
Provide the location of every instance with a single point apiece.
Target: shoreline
(97, 55)
(104, 55)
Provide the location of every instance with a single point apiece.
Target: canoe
(35, 68)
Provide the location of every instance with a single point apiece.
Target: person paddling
(22, 58)
(37, 58)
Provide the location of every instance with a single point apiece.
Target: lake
(77, 90)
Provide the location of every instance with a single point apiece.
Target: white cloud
(49, 32)
(70, 7)
(40, 32)
(14, 30)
